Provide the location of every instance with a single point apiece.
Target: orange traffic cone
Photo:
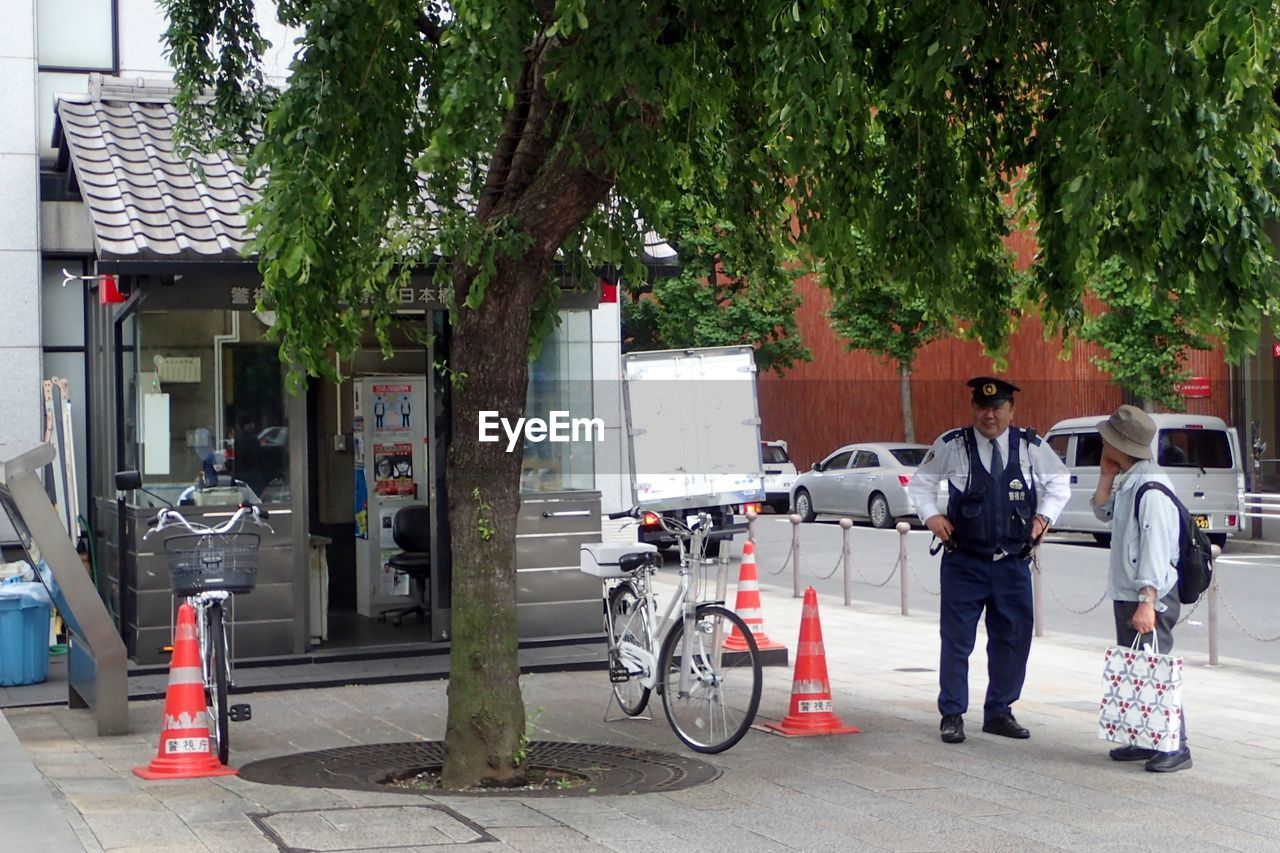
(186, 750)
(748, 606)
(811, 708)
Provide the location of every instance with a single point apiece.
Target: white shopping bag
(1141, 699)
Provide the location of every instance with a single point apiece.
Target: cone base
(763, 644)
(170, 768)
(792, 727)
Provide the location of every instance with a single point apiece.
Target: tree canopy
(492, 141)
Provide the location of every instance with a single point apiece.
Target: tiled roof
(144, 199)
(146, 203)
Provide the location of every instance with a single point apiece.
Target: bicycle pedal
(240, 713)
(618, 675)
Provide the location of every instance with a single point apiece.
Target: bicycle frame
(645, 660)
(201, 604)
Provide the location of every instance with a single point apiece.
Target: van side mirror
(128, 480)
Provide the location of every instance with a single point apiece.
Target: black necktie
(997, 462)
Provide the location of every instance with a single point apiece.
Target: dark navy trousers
(971, 584)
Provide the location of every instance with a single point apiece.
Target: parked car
(779, 475)
(1199, 454)
(860, 480)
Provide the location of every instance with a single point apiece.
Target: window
(866, 459)
(208, 404)
(1194, 448)
(76, 34)
(1058, 444)
(837, 461)
(560, 381)
(774, 454)
(1088, 449)
(910, 456)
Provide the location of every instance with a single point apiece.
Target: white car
(779, 475)
(860, 480)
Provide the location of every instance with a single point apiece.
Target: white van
(779, 475)
(1199, 454)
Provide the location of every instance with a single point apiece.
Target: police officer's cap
(990, 391)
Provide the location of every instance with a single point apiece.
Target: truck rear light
(746, 508)
(903, 479)
(649, 519)
(1231, 521)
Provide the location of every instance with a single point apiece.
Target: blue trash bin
(24, 634)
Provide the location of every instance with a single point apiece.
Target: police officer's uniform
(987, 561)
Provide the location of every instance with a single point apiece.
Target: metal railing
(1213, 598)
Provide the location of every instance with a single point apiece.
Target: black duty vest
(991, 514)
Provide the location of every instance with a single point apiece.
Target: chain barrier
(1035, 556)
(1222, 598)
(1187, 616)
(834, 569)
(915, 576)
(892, 572)
(790, 550)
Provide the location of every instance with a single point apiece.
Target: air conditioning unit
(181, 369)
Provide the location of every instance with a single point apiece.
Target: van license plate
(1202, 521)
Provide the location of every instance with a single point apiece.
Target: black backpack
(1195, 557)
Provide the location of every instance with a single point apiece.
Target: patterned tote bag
(1141, 698)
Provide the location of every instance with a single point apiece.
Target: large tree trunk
(486, 713)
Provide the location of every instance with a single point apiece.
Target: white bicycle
(710, 693)
(208, 565)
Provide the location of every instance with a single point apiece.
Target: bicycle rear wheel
(215, 685)
(723, 688)
(630, 622)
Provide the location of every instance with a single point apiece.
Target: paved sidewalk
(895, 786)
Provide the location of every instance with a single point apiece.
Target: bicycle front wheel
(215, 684)
(628, 621)
(723, 687)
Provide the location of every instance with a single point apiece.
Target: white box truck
(693, 423)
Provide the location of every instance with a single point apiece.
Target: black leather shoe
(1132, 753)
(1005, 726)
(952, 728)
(1170, 762)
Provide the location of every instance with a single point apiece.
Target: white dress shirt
(949, 460)
(1143, 551)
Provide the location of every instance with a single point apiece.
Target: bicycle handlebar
(172, 518)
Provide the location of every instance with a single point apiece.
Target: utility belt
(953, 545)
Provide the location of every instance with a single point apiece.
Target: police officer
(1005, 488)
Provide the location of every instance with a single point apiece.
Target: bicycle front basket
(227, 562)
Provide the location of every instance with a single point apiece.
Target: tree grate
(372, 767)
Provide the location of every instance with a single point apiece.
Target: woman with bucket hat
(1143, 580)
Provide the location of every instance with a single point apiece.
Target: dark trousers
(971, 584)
(1165, 621)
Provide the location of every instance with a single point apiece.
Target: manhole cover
(607, 769)
(369, 828)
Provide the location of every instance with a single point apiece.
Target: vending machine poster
(392, 411)
(393, 468)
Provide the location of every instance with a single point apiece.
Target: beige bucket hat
(1129, 430)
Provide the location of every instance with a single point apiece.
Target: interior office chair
(411, 530)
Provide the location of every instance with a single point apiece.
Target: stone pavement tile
(950, 802)
(540, 839)
(158, 828)
(875, 778)
(226, 836)
(128, 801)
(492, 813)
(1046, 830)
(668, 816)
(72, 785)
(801, 830)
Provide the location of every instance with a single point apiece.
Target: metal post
(751, 526)
(845, 524)
(722, 571)
(1213, 610)
(1037, 586)
(795, 556)
(903, 529)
